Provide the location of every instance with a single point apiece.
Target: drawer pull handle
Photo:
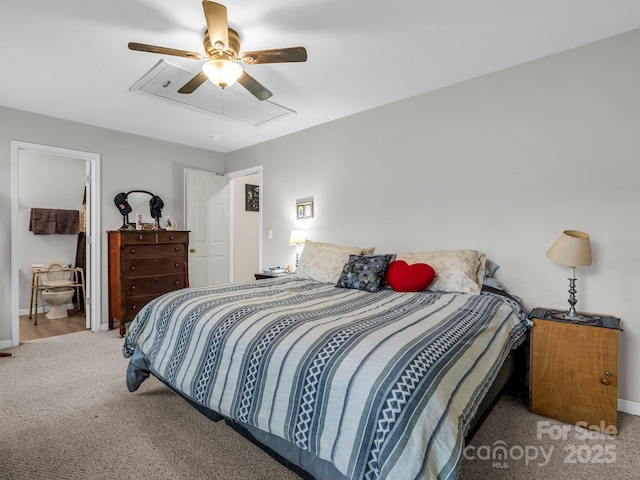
(133, 287)
(177, 265)
(140, 237)
(177, 282)
(133, 267)
(172, 237)
(133, 250)
(605, 380)
(134, 307)
(177, 249)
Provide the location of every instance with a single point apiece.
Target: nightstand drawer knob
(605, 380)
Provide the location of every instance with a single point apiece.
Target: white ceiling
(69, 58)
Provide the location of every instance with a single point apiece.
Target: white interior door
(207, 202)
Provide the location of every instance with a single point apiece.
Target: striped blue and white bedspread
(382, 384)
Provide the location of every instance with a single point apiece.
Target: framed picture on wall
(252, 198)
(304, 210)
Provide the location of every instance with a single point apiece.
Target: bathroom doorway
(54, 178)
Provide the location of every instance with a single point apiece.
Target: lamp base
(575, 317)
(572, 314)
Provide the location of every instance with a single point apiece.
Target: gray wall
(129, 162)
(501, 164)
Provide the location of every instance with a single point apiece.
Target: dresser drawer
(150, 251)
(139, 237)
(140, 267)
(141, 286)
(132, 306)
(173, 237)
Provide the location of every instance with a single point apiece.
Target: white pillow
(324, 262)
(456, 270)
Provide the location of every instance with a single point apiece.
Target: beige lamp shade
(572, 249)
(297, 237)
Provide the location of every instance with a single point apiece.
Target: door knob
(192, 250)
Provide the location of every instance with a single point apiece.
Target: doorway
(246, 221)
(21, 270)
(211, 215)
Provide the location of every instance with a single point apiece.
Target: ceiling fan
(222, 45)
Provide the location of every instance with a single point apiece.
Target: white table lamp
(574, 250)
(297, 238)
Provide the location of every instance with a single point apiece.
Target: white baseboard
(5, 344)
(627, 406)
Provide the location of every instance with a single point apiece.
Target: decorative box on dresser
(144, 264)
(574, 368)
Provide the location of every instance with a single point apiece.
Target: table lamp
(572, 249)
(297, 238)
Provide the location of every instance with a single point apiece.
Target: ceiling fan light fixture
(222, 73)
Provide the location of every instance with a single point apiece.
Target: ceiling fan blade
(217, 25)
(276, 55)
(194, 83)
(254, 87)
(141, 47)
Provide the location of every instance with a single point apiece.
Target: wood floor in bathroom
(50, 328)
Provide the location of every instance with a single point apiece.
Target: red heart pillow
(403, 277)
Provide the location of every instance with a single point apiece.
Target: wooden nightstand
(574, 368)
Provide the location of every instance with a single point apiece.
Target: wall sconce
(297, 238)
(572, 249)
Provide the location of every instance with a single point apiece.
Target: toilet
(55, 277)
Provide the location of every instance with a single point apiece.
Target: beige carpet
(65, 413)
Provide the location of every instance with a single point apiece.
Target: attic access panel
(165, 79)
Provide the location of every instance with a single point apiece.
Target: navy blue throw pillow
(364, 272)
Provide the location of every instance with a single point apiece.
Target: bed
(343, 382)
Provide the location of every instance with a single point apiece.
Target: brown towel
(67, 222)
(42, 221)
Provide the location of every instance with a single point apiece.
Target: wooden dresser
(144, 264)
